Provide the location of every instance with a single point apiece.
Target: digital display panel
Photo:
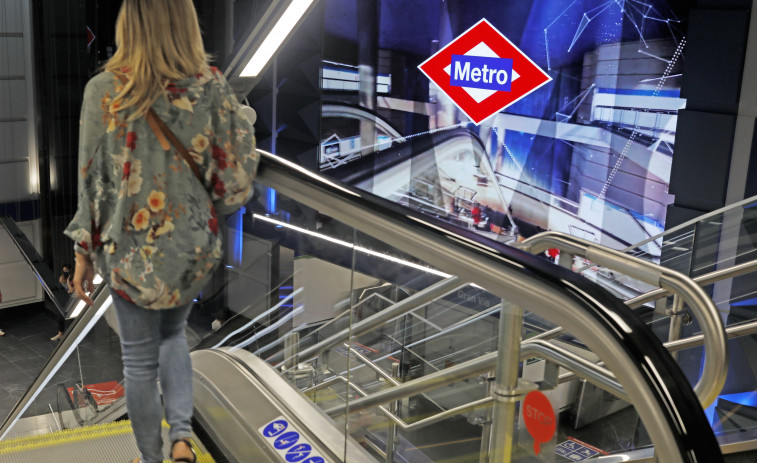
(587, 153)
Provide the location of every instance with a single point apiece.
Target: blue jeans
(154, 345)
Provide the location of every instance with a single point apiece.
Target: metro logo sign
(483, 72)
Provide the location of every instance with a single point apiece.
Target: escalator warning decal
(289, 443)
(576, 450)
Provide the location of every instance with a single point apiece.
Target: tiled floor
(23, 350)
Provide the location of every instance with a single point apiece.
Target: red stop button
(539, 418)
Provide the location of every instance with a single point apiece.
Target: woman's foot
(136, 460)
(181, 450)
(57, 336)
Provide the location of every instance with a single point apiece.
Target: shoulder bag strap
(164, 135)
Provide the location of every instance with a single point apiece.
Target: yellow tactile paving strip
(104, 443)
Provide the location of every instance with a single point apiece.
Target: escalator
(243, 409)
(394, 336)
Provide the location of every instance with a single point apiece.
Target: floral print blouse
(149, 225)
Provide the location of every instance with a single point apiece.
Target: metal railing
(674, 345)
(529, 349)
(398, 309)
(555, 355)
(701, 280)
(501, 271)
(715, 367)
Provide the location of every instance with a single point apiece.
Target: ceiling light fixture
(276, 37)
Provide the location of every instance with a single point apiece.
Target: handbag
(164, 135)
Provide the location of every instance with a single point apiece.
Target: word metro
(481, 72)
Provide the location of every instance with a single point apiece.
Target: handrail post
(391, 433)
(291, 348)
(677, 316)
(505, 388)
(487, 424)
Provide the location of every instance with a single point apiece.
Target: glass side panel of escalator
(331, 279)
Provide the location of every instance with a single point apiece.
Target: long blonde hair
(158, 41)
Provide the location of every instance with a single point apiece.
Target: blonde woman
(145, 221)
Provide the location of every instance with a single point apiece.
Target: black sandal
(185, 460)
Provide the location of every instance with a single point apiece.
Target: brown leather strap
(164, 135)
(151, 120)
(176, 143)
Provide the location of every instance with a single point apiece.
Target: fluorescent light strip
(270, 345)
(80, 306)
(371, 252)
(397, 260)
(276, 37)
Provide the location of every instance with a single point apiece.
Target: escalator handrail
(715, 367)
(655, 384)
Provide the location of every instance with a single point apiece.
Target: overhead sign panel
(483, 72)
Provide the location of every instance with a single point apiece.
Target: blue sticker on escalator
(289, 443)
(298, 453)
(275, 428)
(286, 440)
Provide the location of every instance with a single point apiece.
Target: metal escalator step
(103, 443)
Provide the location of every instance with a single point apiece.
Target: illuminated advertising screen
(508, 117)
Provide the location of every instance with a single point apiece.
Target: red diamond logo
(483, 72)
